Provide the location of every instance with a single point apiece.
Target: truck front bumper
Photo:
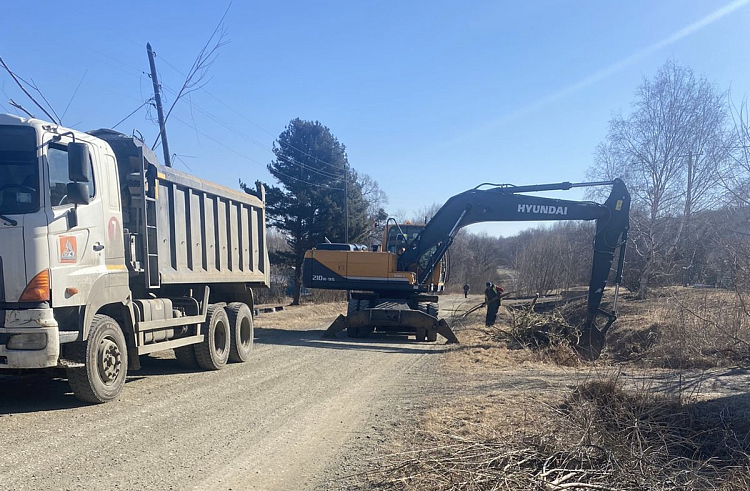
(28, 339)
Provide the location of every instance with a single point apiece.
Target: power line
(135, 111)
(74, 95)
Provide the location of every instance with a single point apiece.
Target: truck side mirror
(78, 193)
(79, 163)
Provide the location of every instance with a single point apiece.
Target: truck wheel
(186, 357)
(432, 309)
(105, 359)
(213, 352)
(352, 306)
(241, 327)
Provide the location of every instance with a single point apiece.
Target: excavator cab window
(399, 237)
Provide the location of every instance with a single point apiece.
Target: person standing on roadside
(492, 299)
(466, 290)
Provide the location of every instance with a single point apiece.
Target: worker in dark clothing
(466, 290)
(492, 299)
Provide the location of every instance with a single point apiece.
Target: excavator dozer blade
(444, 330)
(336, 327)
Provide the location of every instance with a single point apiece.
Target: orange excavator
(391, 291)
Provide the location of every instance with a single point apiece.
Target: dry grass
(597, 436)
(519, 336)
(604, 432)
(675, 328)
(683, 328)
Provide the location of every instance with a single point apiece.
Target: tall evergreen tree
(314, 176)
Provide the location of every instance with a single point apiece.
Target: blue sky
(429, 97)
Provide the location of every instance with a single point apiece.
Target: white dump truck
(106, 255)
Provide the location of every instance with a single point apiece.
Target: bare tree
(735, 175)
(668, 150)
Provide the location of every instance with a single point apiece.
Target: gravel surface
(299, 415)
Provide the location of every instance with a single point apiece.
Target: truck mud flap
(406, 318)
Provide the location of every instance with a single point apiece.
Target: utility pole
(159, 110)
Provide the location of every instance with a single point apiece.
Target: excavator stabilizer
(444, 330)
(336, 327)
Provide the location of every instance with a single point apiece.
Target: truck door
(77, 250)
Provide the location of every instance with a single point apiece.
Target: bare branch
(20, 107)
(196, 77)
(15, 79)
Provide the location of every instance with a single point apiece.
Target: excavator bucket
(591, 341)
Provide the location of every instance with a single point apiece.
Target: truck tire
(432, 309)
(241, 328)
(105, 359)
(353, 307)
(186, 357)
(213, 352)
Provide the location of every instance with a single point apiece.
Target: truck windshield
(19, 170)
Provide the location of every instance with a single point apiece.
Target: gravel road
(277, 422)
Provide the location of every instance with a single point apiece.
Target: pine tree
(314, 177)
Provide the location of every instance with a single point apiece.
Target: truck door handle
(98, 247)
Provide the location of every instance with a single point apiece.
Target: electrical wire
(135, 111)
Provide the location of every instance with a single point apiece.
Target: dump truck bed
(208, 233)
(184, 230)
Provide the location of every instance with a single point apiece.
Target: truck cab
(61, 243)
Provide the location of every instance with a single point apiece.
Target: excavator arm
(504, 203)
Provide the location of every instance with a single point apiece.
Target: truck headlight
(28, 341)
